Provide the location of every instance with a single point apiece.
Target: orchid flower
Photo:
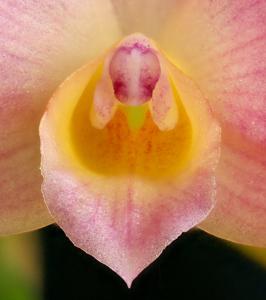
(128, 123)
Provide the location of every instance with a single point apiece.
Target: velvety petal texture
(221, 45)
(120, 195)
(239, 214)
(41, 42)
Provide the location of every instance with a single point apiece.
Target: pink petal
(41, 42)
(222, 46)
(240, 212)
(124, 209)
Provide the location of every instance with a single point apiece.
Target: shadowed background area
(196, 266)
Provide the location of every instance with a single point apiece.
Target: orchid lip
(131, 176)
(114, 172)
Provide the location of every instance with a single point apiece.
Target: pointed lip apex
(128, 281)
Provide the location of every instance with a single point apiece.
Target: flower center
(132, 74)
(129, 114)
(134, 71)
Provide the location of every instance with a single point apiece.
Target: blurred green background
(20, 267)
(44, 265)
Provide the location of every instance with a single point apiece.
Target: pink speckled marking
(134, 70)
(125, 237)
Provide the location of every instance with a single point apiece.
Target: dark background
(196, 266)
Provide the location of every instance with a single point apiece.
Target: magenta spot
(134, 71)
